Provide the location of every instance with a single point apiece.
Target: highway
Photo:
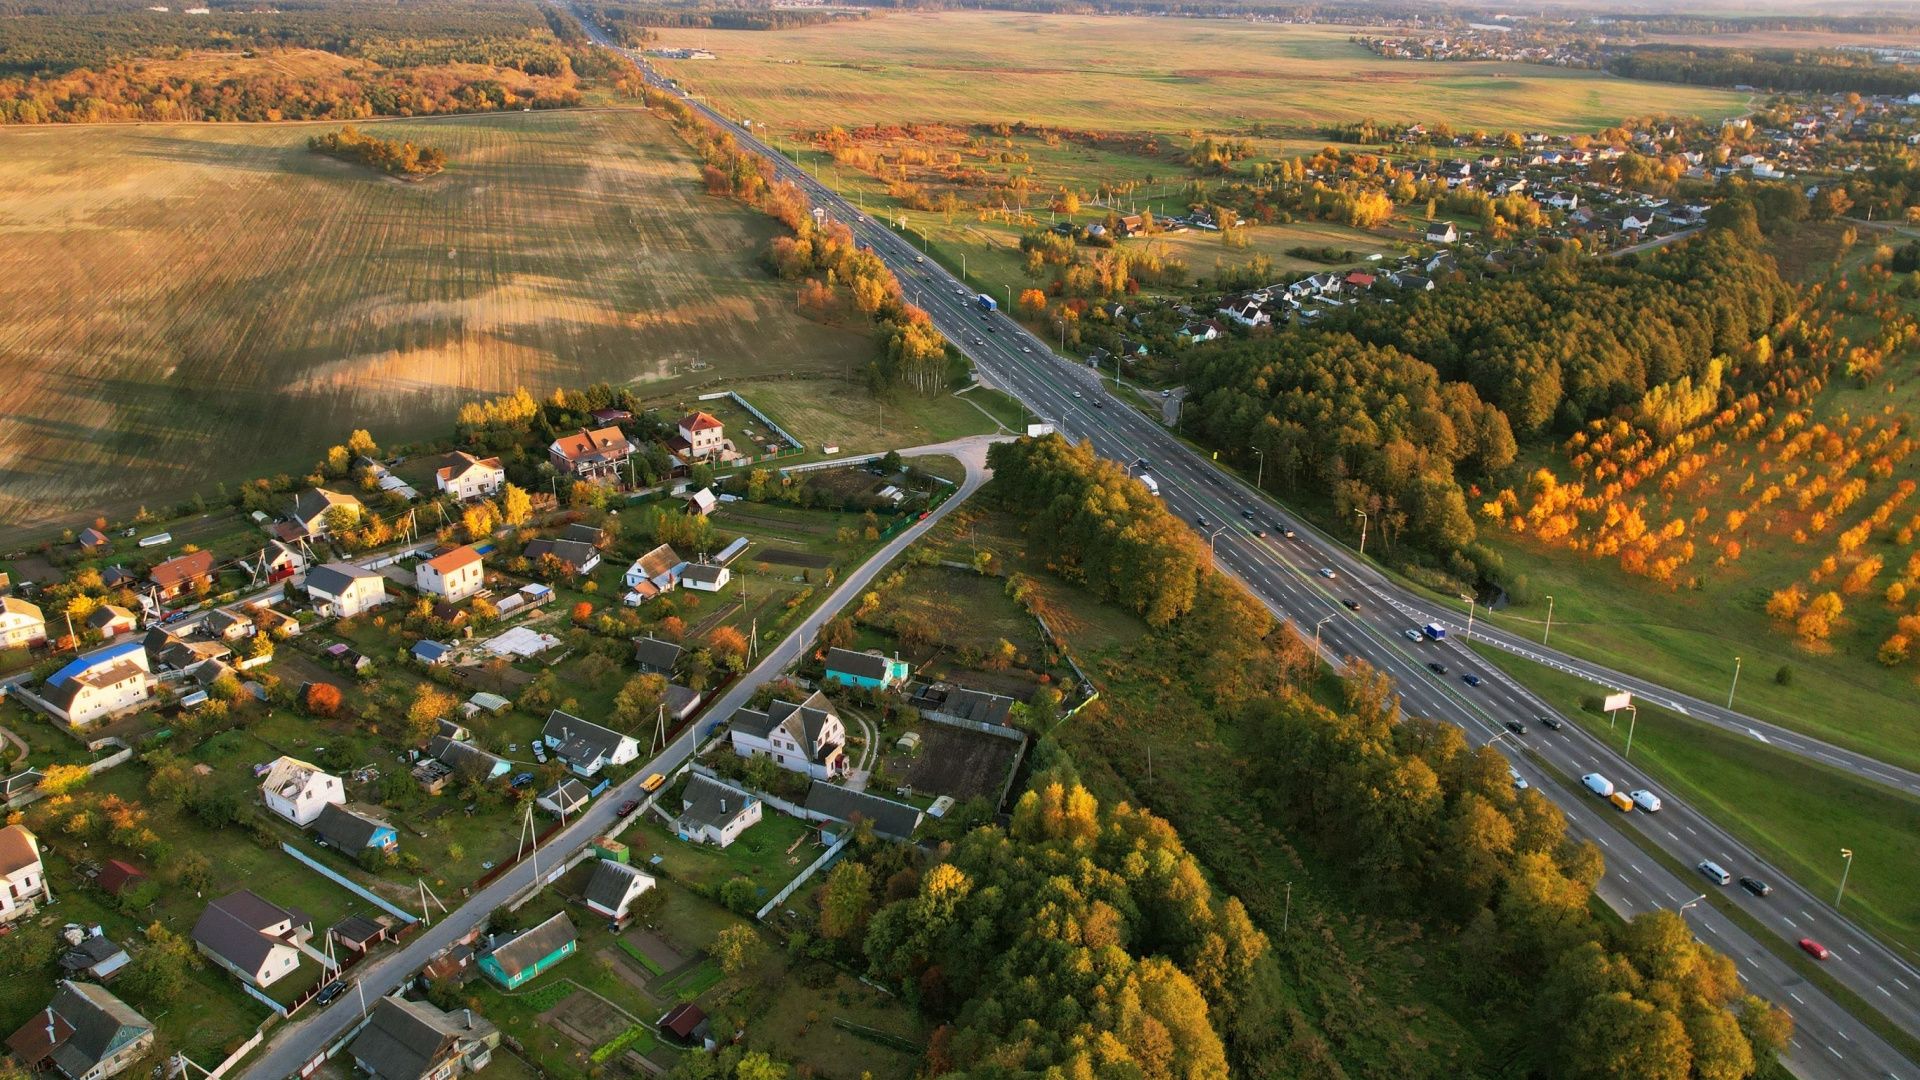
(299, 1042)
(1284, 574)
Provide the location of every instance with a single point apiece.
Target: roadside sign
(1619, 700)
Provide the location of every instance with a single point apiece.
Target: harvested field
(957, 762)
(192, 304)
(787, 557)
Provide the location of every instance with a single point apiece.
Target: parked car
(1516, 727)
(626, 808)
(1814, 948)
(522, 779)
(1470, 679)
(330, 991)
(1756, 886)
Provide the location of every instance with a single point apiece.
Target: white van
(1647, 801)
(1713, 871)
(1598, 784)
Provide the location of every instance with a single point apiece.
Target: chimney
(469, 1015)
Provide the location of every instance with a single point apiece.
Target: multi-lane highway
(1285, 574)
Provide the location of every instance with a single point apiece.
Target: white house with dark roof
(652, 574)
(452, 575)
(614, 887)
(713, 813)
(806, 737)
(706, 577)
(311, 510)
(585, 746)
(298, 791)
(84, 1033)
(252, 937)
(23, 878)
(565, 799)
(414, 1040)
(467, 477)
(342, 590)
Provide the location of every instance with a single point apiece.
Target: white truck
(1152, 485)
(1598, 784)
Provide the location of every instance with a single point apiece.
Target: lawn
(760, 854)
(1795, 813)
(160, 323)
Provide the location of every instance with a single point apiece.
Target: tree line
(391, 156)
(1817, 70)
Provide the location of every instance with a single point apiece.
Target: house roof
(337, 578)
(699, 421)
(707, 802)
(889, 818)
(651, 652)
(181, 569)
(464, 758)
(431, 652)
(93, 950)
(572, 552)
(612, 883)
(535, 944)
(460, 463)
(356, 930)
(312, 504)
(19, 849)
(806, 723)
(89, 1026)
(660, 560)
(705, 573)
(569, 731)
(95, 659)
(569, 794)
(405, 1040)
(866, 664)
(684, 1019)
(107, 613)
(680, 700)
(289, 777)
(591, 443)
(453, 560)
(968, 704)
(581, 533)
(13, 605)
(117, 875)
(345, 830)
(234, 928)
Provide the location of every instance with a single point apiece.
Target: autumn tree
(729, 647)
(639, 700)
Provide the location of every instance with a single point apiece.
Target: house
(15, 789)
(680, 702)
(656, 657)
(706, 577)
(804, 738)
(687, 1023)
(357, 933)
(111, 620)
(702, 502)
(467, 477)
(25, 877)
(945, 702)
(430, 653)
(868, 670)
(228, 625)
(1413, 282)
(652, 574)
(117, 876)
(84, 1032)
(94, 956)
(713, 813)
(280, 561)
(894, 820)
(704, 436)
(252, 937)
(1195, 332)
(468, 760)
(182, 574)
(574, 556)
(100, 683)
(1635, 222)
(614, 887)
(169, 652)
(587, 747)
(342, 590)
(1246, 311)
(351, 833)
(414, 1040)
(313, 511)
(1358, 280)
(1442, 232)
(565, 798)
(93, 541)
(591, 453)
(453, 576)
(298, 791)
(21, 624)
(528, 953)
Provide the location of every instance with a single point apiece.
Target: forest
(390, 156)
(633, 24)
(1818, 70)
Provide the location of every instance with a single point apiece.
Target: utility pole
(1286, 914)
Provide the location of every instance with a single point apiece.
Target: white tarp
(521, 641)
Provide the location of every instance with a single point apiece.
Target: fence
(327, 872)
(825, 858)
(758, 415)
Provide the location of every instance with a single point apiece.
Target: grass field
(1136, 74)
(202, 303)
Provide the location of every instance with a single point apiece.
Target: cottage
(318, 512)
(1358, 280)
(169, 652)
(21, 869)
(1442, 232)
(1246, 311)
(574, 556)
(117, 876)
(111, 620)
(702, 502)
(1195, 332)
(357, 933)
(706, 577)
(467, 760)
(946, 702)
(704, 437)
(94, 956)
(85, 1033)
(100, 683)
(93, 541)
(182, 574)
(893, 820)
(565, 799)
(652, 574)
(467, 477)
(614, 887)
(255, 939)
(585, 746)
(526, 954)
(805, 738)
(228, 625)
(656, 657)
(453, 576)
(298, 791)
(591, 454)
(867, 670)
(342, 590)
(713, 813)
(686, 1023)
(431, 653)
(680, 702)
(351, 833)
(414, 1040)
(21, 624)
(279, 561)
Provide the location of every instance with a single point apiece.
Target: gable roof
(345, 830)
(705, 573)
(460, 463)
(805, 723)
(117, 875)
(660, 560)
(312, 504)
(108, 613)
(866, 664)
(574, 734)
(699, 421)
(448, 562)
(405, 1040)
(592, 443)
(612, 883)
(337, 578)
(889, 818)
(464, 758)
(90, 1025)
(289, 777)
(535, 944)
(234, 928)
(582, 533)
(569, 794)
(181, 569)
(98, 658)
(572, 552)
(19, 849)
(707, 802)
(654, 653)
(13, 605)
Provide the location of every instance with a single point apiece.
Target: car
(1024, 349)
(920, 259)
(1247, 512)
(1814, 948)
(1141, 463)
(626, 808)
(330, 991)
(1202, 521)
(1519, 782)
(1551, 722)
(1713, 871)
(1288, 533)
(1350, 603)
(1261, 533)
(1470, 679)
(1098, 404)
(993, 329)
(653, 783)
(1756, 886)
(979, 341)
(1410, 635)
(1078, 394)
(1327, 572)
(1436, 667)
(1166, 393)
(522, 779)
(1516, 727)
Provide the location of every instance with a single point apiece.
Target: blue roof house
(527, 954)
(866, 670)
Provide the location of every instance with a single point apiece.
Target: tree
(837, 633)
(516, 506)
(756, 1065)
(62, 779)
(729, 647)
(739, 895)
(738, 947)
(429, 706)
(321, 699)
(362, 444)
(638, 701)
(162, 970)
(846, 900)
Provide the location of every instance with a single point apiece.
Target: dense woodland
(633, 24)
(1820, 70)
(390, 156)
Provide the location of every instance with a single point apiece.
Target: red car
(626, 808)
(1814, 948)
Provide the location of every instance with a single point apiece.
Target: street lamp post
(1212, 536)
(1633, 719)
(1469, 600)
(1260, 473)
(1847, 854)
(1316, 638)
(1363, 531)
(1683, 907)
(1549, 633)
(1736, 682)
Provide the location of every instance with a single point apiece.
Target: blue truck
(986, 302)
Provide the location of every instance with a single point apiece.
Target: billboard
(1618, 700)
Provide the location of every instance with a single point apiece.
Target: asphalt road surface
(300, 1042)
(1285, 575)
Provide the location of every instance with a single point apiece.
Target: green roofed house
(867, 670)
(530, 952)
